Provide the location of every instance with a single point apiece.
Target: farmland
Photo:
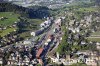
(5, 32)
(94, 39)
(95, 36)
(8, 18)
(89, 9)
(96, 33)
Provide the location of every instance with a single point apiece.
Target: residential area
(40, 36)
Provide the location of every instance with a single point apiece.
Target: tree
(64, 47)
(38, 65)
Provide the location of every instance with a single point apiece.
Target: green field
(10, 18)
(96, 33)
(25, 35)
(94, 39)
(36, 21)
(5, 32)
(87, 9)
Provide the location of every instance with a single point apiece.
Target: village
(22, 55)
(24, 48)
(90, 57)
(68, 37)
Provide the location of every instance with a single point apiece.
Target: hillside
(19, 21)
(33, 12)
(8, 18)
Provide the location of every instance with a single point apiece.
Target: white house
(1, 60)
(91, 62)
(98, 45)
(27, 42)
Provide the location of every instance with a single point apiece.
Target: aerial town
(49, 33)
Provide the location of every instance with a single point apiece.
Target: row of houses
(21, 56)
(77, 30)
(88, 57)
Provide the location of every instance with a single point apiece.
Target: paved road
(45, 36)
(56, 35)
(56, 45)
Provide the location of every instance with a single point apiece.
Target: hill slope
(33, 12)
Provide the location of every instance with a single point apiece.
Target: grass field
(5, 32)
(96, 33)
(87, 9)
(25, 35)
(94, 36)
(32, 21)
(79, 12)
(36, 21)
(10, 18)
(94, 39)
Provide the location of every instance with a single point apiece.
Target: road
(43, 39)
(49, 32)
(56, 35)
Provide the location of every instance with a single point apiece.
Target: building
(39, 52)
(91, 62)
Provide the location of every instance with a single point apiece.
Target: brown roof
(39, 52)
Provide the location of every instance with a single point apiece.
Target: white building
(91, 62)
